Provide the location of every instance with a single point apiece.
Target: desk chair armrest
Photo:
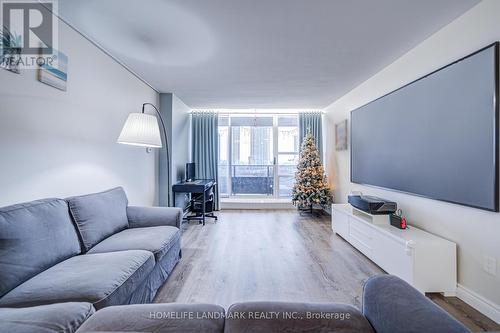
(140, 217)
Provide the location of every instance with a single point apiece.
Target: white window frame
(276, 153)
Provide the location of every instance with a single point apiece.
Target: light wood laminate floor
(279, 255)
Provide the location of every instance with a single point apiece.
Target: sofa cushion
(101, 279)
(33, 237)
(54, 318)
(154, 239)
(273, 317)
(157, 318)
(99, 215)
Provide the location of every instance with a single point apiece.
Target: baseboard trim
(478, 302)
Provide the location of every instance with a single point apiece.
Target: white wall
(57, 144)
(476, 232)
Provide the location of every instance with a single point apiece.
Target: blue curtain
(311, 122)
(205, 147)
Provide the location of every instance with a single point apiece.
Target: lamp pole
(166, 146)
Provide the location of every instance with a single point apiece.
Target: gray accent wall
(177, 120)
(163, 177)
(180, 138)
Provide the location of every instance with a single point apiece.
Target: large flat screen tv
(436, 137)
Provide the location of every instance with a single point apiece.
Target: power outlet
(490, 265)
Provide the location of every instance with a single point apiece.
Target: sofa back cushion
(99, 215)
(33, 237)
(270, 317)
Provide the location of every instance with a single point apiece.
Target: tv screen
(436, 137)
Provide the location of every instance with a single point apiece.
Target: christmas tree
(311, 187)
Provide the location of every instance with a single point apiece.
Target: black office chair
(197, 208)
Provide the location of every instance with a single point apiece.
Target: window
(223, 155)
(257, 155)
(288, 153)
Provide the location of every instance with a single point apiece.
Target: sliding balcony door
(257, 155)
(252, 156)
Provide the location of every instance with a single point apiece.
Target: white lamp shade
(141, 130)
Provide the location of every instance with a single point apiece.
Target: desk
(199, 186)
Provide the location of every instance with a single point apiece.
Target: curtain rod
(256, 113)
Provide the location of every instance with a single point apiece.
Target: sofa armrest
(392, 305)
(139, 217)
(48, 318)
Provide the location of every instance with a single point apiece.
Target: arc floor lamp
(141, 129)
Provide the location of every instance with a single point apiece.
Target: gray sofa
(93, 248)
(390, 305)
(61, 260)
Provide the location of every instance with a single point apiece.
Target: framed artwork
(341, 135)
(55, 75)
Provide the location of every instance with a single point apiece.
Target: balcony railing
(254, 179)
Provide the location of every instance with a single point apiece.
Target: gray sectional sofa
(85, 264)
(390, 305)
(93, 248)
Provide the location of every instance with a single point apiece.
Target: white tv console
(425, 261)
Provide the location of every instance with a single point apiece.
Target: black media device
(190, 172)
(372, 205)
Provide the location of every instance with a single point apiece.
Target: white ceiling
(258, 53)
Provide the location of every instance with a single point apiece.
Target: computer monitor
(190, 172)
